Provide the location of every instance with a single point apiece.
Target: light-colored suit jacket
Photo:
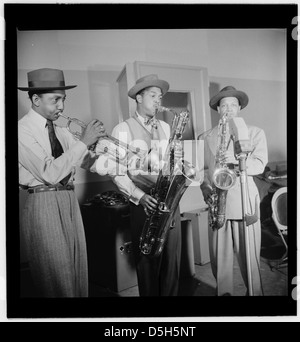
(255, 165)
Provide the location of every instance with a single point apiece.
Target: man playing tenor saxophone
(157, 276)
(226, 232)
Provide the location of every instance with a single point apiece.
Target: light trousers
(228, 241)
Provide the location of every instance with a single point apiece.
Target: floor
(274, 282)
(198, 280)
(118, 280)
(202, 283)
(195, 280)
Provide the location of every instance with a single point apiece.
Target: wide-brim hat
(46, 79)
(148, 81)
(229, 91)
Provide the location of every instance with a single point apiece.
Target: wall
(248, 58)
(251, 60)
(255, 62)
(266, 109)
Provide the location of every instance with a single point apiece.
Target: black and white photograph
(147, 153)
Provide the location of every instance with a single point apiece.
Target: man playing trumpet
(51, 220)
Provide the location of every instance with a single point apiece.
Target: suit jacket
(255, 164)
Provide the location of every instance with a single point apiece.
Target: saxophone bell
(224, 178)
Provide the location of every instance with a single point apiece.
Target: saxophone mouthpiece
(163, 109)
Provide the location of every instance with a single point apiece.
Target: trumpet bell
(224, 178)
(75, 128)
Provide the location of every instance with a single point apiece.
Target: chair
(279, 216)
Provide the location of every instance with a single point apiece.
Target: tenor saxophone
(223, 178)
(173, 179)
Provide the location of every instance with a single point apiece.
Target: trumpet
(111, 145)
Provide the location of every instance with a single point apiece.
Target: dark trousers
(157, 276)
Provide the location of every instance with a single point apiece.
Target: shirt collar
(38, 119)
(140, 117)
(143, 120)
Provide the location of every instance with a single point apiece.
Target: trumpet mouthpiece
(64, 116)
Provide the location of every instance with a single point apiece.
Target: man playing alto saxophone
(228, 237)
(156, 276)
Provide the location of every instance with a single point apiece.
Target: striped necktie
(56, 147)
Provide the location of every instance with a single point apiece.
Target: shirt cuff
(136, 195)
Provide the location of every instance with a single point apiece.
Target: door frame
(199, 96)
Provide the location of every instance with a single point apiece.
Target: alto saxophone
(223, 178)
(173, 179)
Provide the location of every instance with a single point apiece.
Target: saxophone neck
(225, 117)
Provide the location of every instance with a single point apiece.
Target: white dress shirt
(122, 180)
(37, 166)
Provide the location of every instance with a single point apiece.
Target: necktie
(56, 147)
(152, 121)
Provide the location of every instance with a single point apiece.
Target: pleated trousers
(55, 244)
(228, 241)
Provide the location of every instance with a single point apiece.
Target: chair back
(279, 208)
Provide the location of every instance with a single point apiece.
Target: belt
(45, 188)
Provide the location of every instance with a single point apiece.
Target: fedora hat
(46, 79)
(148, 81)
(229, 91)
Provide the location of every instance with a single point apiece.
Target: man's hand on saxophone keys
(149, 203)
(229, 158)
(207, 192)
